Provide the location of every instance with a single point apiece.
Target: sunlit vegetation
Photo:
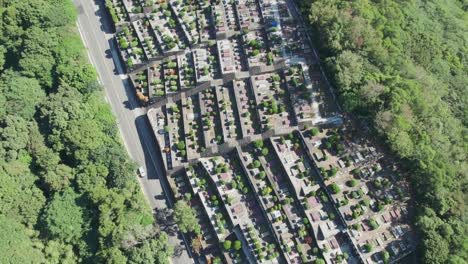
(401, 66)
(68, 192)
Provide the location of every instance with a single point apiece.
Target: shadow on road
(114, 48)
(127, 105)
(109, 56)
(104, 17)
(149, 146)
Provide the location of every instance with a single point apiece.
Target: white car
(141, 172)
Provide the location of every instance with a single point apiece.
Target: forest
(401, 66)
(68, 191)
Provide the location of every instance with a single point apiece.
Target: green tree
(227, 244)
(37, 60)
(185, 218)
(22, 207)
(335, 188)
(17, 243)
(156, 250)
(22, 94)
(63, 218)
(57, 253)
(237, 245)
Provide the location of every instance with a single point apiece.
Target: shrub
(256, 164)
(237, 245)
(352, 183)
(373, 224)
(335, 188)
(368, 247)
(233, 184)
(258, 144)
(181, 145)
(262, 175)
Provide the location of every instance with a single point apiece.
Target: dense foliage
(67, 188)
(402, 65)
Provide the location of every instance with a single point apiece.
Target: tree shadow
(104, 17)
(166, 221)
(127, 105)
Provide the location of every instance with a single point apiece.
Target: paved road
(95, 30)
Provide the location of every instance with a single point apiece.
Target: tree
(410, 99)
(352, 183)
(14, 135)
(227, 244)
(185, 218)
(320, 261)
(37, 60)
(264, 151)
(63, 218)
(258, 143)
(385, 256)
(21, 94)
(16, 243)
(256, 164)
(237, 245)
(348, 69)
(156, 250)
(59, 178)
(262, 175)
(314, 131)
(22, 207)
(60, 141)
(335, 188)
(57, 252)
(197, 244)
(368, 247)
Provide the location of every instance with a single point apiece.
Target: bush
(314, 131)
(256, 164)
(262, 175)
(237, 245)
(227, 244)
(373, 224)
(233, 184)
(352, 183)
(181, 145)
(258, 144)
(335, 189)
(368, 247)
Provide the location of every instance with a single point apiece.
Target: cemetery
(236, 103)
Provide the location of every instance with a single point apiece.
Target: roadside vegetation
(402, 67)
(68, 191)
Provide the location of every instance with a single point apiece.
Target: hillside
(402, 66)
(67, 187)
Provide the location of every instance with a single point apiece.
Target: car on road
(141, 172)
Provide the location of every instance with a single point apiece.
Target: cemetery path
(94, 26)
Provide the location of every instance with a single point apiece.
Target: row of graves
(173, 46)
(299, 197)
(247, 139)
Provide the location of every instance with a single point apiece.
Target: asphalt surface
(95, 30)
